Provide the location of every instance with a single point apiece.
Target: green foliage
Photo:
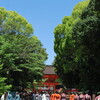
(3, 86)
(77, 46)
(13, 23)
(78, 9)
(64, 46)
(86, 33)
(21, 53)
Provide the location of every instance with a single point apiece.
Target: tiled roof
(49, 69)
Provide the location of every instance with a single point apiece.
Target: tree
(22, 54)
(86, 33)
(12, 23)
(64, 47)
(3, 86)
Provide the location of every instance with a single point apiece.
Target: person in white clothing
(3, 96)
(44, 96)
(98, 97)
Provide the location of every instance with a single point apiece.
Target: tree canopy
(64, 46)
(22, 53)
(86, 33)
(3, 86)
(77, 47)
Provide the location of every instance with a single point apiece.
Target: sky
(44, 16)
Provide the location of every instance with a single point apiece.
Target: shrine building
(50, 78)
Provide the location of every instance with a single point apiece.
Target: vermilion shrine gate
(50, 77)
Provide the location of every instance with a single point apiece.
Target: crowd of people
(48, 96)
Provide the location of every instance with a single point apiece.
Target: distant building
(50, 78)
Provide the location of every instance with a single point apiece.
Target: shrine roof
(49, 69)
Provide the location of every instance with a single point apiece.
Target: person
(43, 96)
(33, 96)
(57, 96)
(87, 97)
(52, 96)
(47, 96)
(40, 96)
(6, 96)
(76, 97)
(98, 96)
(68, 96)
(17, 96)
(63, 96)
(72, 96)
(81, 96)
(21, 95)
(3, 96)
(9, 97)
(37, 96)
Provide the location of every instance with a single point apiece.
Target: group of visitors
(73, 96)
(25, 96)
(48, 96)
(10, 96)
